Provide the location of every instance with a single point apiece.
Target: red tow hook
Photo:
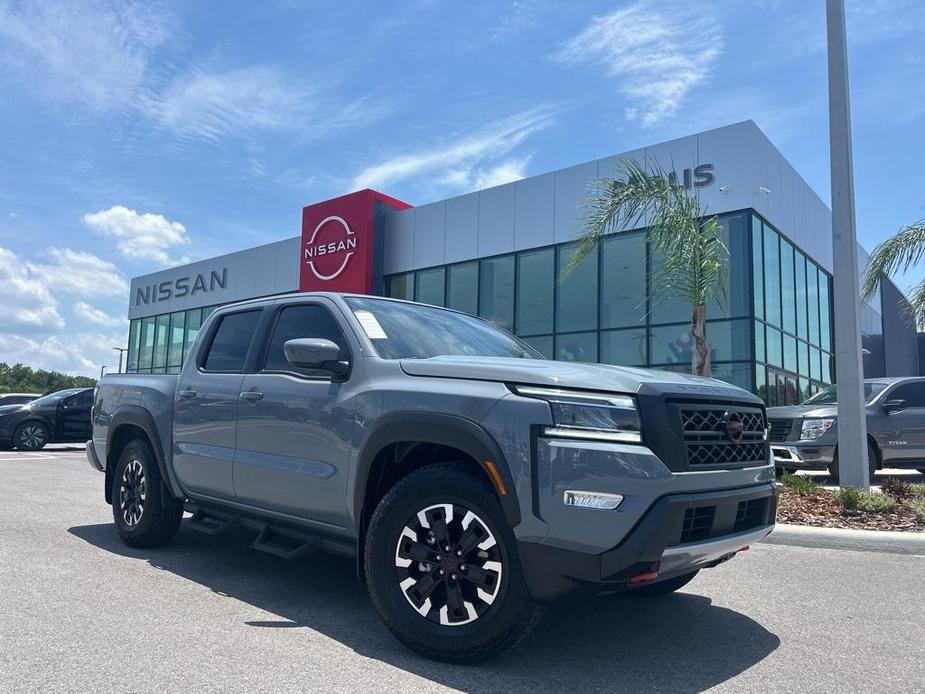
(643, 578)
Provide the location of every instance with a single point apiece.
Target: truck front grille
(779, 429)
(718, 435)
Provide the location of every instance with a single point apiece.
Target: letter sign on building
(338, 249)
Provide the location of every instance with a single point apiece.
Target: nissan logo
(732, 425)
(341, 247)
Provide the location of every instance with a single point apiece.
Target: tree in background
(899, 252)
(22, 379)
(694, 258)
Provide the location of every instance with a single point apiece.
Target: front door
(295, 425)
(207, 403)
(904, 441)
(74, 417)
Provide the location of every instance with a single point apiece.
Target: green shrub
(897, 488)
(799, 484)
(853, 499)
(918, 491)
(917, 506)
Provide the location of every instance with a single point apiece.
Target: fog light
(598, 500)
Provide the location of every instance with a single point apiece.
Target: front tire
(30, 436)
(666, 587)
(872, 459)
(145, 514)
(443, 570)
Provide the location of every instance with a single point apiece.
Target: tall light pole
(121, 351)
(849, 363)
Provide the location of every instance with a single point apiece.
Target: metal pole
(849, 363)
(121, 351)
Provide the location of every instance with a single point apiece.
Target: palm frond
(917, 304)
(899, 252)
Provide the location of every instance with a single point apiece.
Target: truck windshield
(412, 331)
(827, 396)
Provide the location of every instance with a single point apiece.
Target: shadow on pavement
(679, 643)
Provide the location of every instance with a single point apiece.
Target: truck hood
(561, 374)
(799, 411)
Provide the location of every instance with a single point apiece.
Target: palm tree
(695, 259)
(899, 252)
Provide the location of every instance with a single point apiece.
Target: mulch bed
(820, 509)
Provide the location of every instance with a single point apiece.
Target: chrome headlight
(587, 415)
(816, 428)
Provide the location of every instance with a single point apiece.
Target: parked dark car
(17, 398)
(59, 417)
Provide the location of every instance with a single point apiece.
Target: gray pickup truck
(471, 479)
(805, 437)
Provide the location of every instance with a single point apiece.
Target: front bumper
(678, 534)
(802, 455)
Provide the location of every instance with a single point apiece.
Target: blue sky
(137, 135)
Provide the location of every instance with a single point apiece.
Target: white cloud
(95, 52)
(25, 302)
(146, 236)
(79, 273)
(465, 159)
(658, 52)
(78, 353)
(91, 314)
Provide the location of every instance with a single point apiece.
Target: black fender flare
(134, 415)
(440, 429)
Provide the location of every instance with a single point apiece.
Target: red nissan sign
(339, 243)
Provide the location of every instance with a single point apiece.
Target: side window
(231, 341)
(84, 399)
(912, 393)
(305, 320)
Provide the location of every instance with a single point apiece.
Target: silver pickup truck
(471, 479)
(805, 436)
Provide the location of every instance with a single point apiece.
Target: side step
(209, 523)
(286, 544)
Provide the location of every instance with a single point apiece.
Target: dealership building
(499, 253)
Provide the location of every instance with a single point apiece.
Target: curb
(891, 542)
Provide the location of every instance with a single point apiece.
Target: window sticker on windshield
(370, 325)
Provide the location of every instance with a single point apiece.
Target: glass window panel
(542, 344)
(134, 332)
(759, 341)
(761, 382)
(175, 339)
(576, 305)
(231, 341)
(536, 280)
(666, 305)
(672, 344)
(624, 347)
(790, 353)
(735, 237)
(815, 364)
(463, 287)
(207, 311)
(400, 286)
(771, 276)
(193, 323)
(803, 349)
(805, 389)
(791, 394)
(774, 347)
(623, 281)
(788, 288)
(160, 340)
(577, 347)
(496, 291)
(826, 367)
(812, 295)
(305, 321)
(825, 328)
(146, 343)
(801, 303)
(738, 374)
(431, 287)
(757, 267)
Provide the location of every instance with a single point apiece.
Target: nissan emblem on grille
(732, 425)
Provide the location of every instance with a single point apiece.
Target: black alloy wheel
(132, 492)
(31, 436)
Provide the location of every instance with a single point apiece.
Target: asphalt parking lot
(80, 612)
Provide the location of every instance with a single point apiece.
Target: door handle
(187, 394)
(251, 395)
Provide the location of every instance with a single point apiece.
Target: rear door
(74, 417)
(207, 402)
(295, 425)
(905, 429)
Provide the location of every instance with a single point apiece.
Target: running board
(284, 544)
(211, 524)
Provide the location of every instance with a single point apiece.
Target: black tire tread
(166, 513)
(424, 480)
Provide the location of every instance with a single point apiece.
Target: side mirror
(890, 406)
(315, 353)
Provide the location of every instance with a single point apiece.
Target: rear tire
(662, 588)
(145, 514)
(465, 605)
(31, 436)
